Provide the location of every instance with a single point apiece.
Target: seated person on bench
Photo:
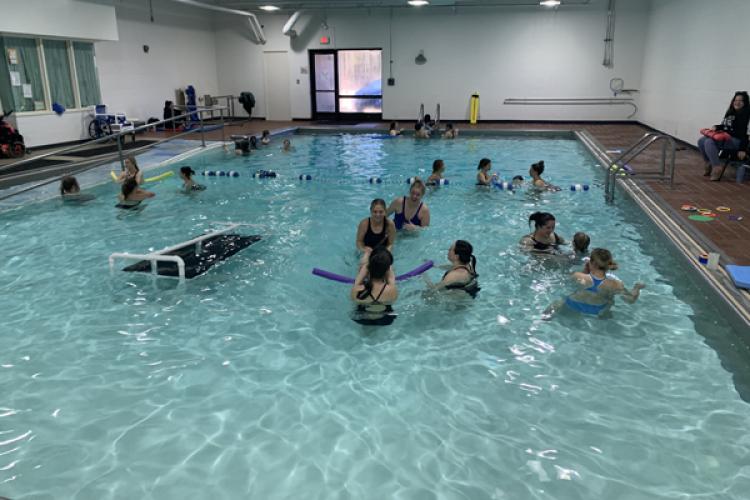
(169, 112)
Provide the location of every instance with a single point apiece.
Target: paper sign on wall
(12, 56)
(15, 78)
(27, 93)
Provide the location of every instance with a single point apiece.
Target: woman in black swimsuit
(375, 231)
(375, 290)
(543, 239)
(463, 274)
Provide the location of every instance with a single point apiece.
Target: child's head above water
(438, 166)
(602, 259)
(581, 242)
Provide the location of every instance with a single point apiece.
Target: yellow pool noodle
(159, 177)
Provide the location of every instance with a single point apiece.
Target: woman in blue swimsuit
(410, 212)
(598, 287)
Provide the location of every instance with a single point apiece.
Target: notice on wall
(12, 56)
(15, 78)
(39, 105)
(27, 93)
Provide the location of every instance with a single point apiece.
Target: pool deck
(730, 238)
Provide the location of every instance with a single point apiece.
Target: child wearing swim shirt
(484, 178)
(438, 167)
(598, 288)
(265, 139)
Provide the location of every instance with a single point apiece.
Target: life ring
(723, 209)
(689, 208)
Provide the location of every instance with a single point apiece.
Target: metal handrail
(437, 121)
(618, 164)
(421, 112)
(98, 161)
(576, 101)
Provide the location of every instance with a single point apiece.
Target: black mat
(111, 148)
(32, 165)
(214, 250)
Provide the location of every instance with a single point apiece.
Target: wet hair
(266, 133)
(427, 118)
(135, 163)
(393, 126)
(253, 142)
(128, 187)
(449, 126)
(68, 184)
(538, 167)
(286, 141)
(419, 184)
(418, 126)
(540, 219)
(602, 258)
(377, 201)
(581, 242)
(745, 100)
(436, 166)
(483, 163)
(187, 171)
(465, 253)
(243, 145)
(377, 267)
(518, 178)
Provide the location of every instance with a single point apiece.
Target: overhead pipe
(287, 29)
(252, 19)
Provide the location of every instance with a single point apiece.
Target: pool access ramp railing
(619, 165)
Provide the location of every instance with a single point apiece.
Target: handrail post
(119, 152)
(221, 115)
(203, 132)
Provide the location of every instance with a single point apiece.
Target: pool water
(253, 382)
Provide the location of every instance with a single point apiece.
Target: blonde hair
(418, 183)
(602, 258)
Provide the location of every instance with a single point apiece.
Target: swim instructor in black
(375, 231)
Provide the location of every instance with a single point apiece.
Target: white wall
(500, 52)
(181, 52)
(61, 18)
(696, 58)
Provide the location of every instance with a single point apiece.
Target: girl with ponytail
(463, 274)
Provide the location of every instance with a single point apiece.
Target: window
(66, 74)
(57, 61)
(360, 84)
(88, 81)
(21, 55)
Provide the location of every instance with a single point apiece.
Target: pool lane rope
(346, 279)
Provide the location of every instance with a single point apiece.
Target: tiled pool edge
(737, 300)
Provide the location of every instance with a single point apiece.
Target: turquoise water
(252, 382)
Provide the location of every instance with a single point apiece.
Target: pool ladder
(617, 165)
(437, 115)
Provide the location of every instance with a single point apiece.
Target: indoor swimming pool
(252, 381)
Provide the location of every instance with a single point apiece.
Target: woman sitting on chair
(730, 135)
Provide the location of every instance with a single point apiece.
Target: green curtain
(58, 72)
(6, 95)
(29, 71)
(88, 82)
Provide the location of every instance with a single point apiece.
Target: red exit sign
(324, 40)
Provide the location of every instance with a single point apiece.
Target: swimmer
(412, 204)
(483, 172)
(130, 171)
(375, 290)
(132, 195)
(598, 287)
(581, 242)
(393, 131)
(420, 132)
(375, 231)
(462, 275)
(265, 139)
(71, 191)
(543, 239)
(242, 147)
(450, 132)
(517, 181)
(438, 168)
(287, 146)
(535, 171)
(253, 142)
(429, 123)
(188, 184)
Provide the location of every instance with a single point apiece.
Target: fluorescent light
(550, 3)
(418, 3)
(268, 8)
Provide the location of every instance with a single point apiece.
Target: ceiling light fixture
(418, 3)
(268, 8)
(550, 3)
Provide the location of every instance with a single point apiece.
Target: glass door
(347, 84)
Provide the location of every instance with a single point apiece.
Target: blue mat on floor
(740, 275)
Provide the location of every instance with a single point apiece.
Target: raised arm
(361, 231)
(393, 207)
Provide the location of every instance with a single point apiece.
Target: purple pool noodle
(416, 271)
(345, 279)
(331, 276)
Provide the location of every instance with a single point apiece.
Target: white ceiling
(290, 5)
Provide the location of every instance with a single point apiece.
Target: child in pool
(598, 287)
(450, 132)
(438, 168)
(188, 184)
(265, 139)
(394, 130)
(581, 242)
(484, 178)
